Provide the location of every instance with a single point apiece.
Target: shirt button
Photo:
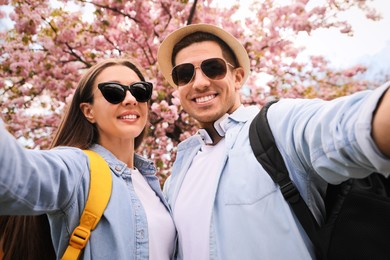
(117, 168)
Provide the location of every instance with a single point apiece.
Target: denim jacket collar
(146, 167)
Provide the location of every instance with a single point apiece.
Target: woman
(108, 114)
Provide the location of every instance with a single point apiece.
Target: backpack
(39, 246)
(357, 221)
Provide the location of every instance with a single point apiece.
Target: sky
(370, 45)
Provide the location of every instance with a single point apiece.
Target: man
(225, 205)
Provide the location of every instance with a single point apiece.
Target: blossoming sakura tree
(51, 43)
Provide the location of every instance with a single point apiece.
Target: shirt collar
(118, 167)
(227, 121)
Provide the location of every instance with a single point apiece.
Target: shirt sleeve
(38, 181)
(332, 138)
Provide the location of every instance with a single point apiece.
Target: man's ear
(238, 77)
(87, 110)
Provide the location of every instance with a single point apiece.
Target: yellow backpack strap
(98, 197)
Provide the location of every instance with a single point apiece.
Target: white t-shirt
(194, 204)
(160, 224)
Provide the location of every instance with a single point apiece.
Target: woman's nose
(129, 99)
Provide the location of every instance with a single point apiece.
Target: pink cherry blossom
(47, 49)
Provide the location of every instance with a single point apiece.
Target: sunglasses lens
(113, 93)
(142, 91)
(182, 74)
(214, 68)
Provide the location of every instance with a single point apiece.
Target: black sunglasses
(115, 93)
(214, 69)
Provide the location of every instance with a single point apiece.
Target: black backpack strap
(267, 153)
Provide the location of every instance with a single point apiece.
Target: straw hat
(164, 54)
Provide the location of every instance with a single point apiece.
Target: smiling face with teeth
(204, 99)
(118, 124)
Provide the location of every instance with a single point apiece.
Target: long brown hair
(28, 237)
(75, 130)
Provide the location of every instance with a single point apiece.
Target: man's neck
(213, 134)
(215, 130)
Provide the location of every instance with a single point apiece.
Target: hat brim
(164, 54)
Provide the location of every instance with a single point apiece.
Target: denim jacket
(321, 142)
(56, 182)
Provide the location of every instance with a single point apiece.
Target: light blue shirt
(320, 141)
(56, 182)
